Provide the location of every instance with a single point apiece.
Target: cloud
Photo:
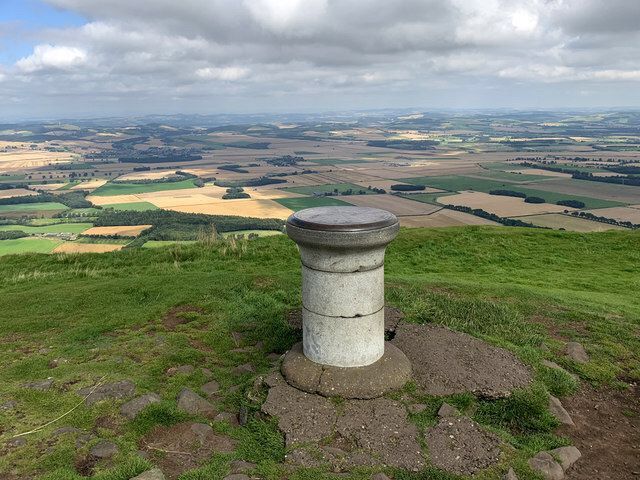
(224, 73)
(50, 57)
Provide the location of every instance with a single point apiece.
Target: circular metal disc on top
(342, 219)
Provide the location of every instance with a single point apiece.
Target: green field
(138, 206)
(166, 243)
(427, 197)
(67, 227)
(299, 203)
(32, 207)
(28, 245)
(260, 233)
(328, 188)
(526, 290)
(69, 185)
(512, 177)
(132, 188)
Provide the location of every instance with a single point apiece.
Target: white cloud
(50, 57)
(225, 73)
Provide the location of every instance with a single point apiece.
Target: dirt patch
(183, 447)
(447, 362)
(606, 431)
(176, 316)
(74, 247)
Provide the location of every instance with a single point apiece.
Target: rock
(108, 391)
(459, 445)
(16, 442)
(417, 408)
(510, 475)
(83, 439)
(558, 411)
(64, 430)
(567, 456)
(182, 369)
(153, 474)
(576, 352)
(545, 464)
(244, 368)
(210, 388)
(202, 430)
(206, 373)
(237, 476)
(56, 362)
(273, 379)
(274, 357)
(192, 403)
(40, 385)
(447, 410)
(243, 415)
(240, 466)
(9, 405)
(230, 418)
(555, 366)
(379, 476)
(104, 449)
(133, 407)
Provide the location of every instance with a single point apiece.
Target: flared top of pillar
(343, 227)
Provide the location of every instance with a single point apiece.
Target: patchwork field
(393, 203)
(139, 206)
(55, 228)
(32, 207)
(16, 192)
(559, 221)
(444, 218)
(133, 188)
(242, 207)
(28, 245)
(330, 188)
(122, 231)
(27, 159)
(77, 247)
(295, 204)
(606, 191)
(623, 214)
(501, 205)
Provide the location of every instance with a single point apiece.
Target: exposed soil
(173, 318)
(607, 433)
(183, 447)
(446, 362)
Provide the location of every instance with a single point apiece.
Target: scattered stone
(510, 475)
(273, 379)
(567, 456)
(447, 410)
(559, 412)
(458, 445)
(417, 408)
(230, 418)
(243, 415)
(240, 466)
(237, 476)
(206, 373)
(153, 474)
(40, 385)
(210, 388)
(16, 442)
(545, 464)
(379, 476)
(274, 357)
(64, 430)
(83, 439)
(576, 352)
(392, 318)
(108, 391)
(446, 362)
(56, 362)
(192, 403)
(44, 351)
(184, 446)
(182, 369)
(555, 366)
(133, 407)
(244, 368)
(104, 449)
(9, 405)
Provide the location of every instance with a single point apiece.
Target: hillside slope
(81, 319)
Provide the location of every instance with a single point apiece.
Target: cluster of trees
(618, 179)
(348, 191)
(508, 193)
(400, 187)
(571, 203)
(235, 192)
(12, 235)
(251, 182)
(233, 168)
(174, 157)
(376, 190)
(70, 199)
(610, 221)
(404, 144)
(284, 161)
(478, 212)
(534, 200)
(624, 169)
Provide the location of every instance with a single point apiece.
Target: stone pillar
(342, 251)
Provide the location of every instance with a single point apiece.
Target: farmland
(32, 207)
(295, 204)
(28, 245)
(133, 188)
(67, 227)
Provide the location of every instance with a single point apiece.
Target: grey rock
(210, 388)
(274, 357)
(510, 475)
(104, 449)
(64, 430)
(202, 430)
(182, 369)
(108, 391)
(192, 403)
(40, 385)
(555, 366)
(379, 476)
(153, 474)
(230, 418)
(576, 352)
(56, 362)
(417, 408)
(243, 415)
(16, 442)
(546, 465)
(83, 439)
(237, 476)
(207, 373)
(9, 405)
(133, 407)
(244, 368)
(240, 466)
(447, 410)
(558, 411)
(567, 456)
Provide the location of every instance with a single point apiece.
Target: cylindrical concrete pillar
(342, 251)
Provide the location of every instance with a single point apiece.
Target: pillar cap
(342, 219)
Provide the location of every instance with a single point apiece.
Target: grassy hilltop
(526, 290)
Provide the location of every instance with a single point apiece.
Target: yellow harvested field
(243, 208)
(622, 214)
(394, 204)
(27, 158)
(147, 175)
(501, 205)
(444, 218)
(90, 185)
(539, 171)
(568, 222)
(73, 247)
(47, 187)
(113, 199)
(121, 230)
(16, 192)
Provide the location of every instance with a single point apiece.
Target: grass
(259, 233)
(165, 243)
(112, 188)
(137, 206)
(32, 207)
(330, 188)
(54, 228)
(526, 290)
(512, 177)
(28, 245)
(299, 203)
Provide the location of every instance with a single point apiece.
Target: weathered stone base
(389, 373)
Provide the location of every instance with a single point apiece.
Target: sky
(97, 58)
